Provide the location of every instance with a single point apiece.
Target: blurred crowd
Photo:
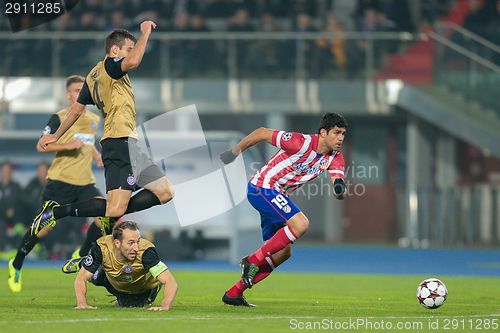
(185, 58)
(484, 19)
(18, 207)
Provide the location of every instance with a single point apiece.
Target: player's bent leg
(117, 202)
(236, 300)
(281, 256)
(298, 224)
(162, 188)
(45, 218)
(44, 232)
(14, 280)
(72, 265)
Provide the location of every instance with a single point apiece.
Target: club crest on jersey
(131, 180)
(46, 130)
(286, 136)
(127, 269)
(323, 164)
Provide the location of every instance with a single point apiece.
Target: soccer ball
(432, 293)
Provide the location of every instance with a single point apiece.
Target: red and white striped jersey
(296, 163)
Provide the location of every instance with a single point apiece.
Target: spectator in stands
(10, 207)
(303, 56)
(333, 54)
(474, 21)
(494, 30)
(240, 22)
(200, 52)
(33, 191)
(117, 20)
(264, 55)
(178, 57)
(220, 9)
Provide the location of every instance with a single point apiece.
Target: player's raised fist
(147, 27)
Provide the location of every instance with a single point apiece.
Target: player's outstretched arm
(338, 188)
(169, 291)
(76, 110)
(81, 289)
(55, 147)
(134, 58)
(259, 135)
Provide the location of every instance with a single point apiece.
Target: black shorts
(126, 300)
(126, 166)
(64, 193)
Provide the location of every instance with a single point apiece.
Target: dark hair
(330, 120)
(117, 37)
(74, 79)
(119, 227)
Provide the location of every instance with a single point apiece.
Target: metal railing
(468, 73)
(462, 215)
(209, 55)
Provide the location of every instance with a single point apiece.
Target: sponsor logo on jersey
(307, 169)
(126, 278)
(87, 139)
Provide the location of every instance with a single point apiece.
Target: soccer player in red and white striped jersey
(300, 158)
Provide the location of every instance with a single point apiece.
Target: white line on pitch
(82, 320)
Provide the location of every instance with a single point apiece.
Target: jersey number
(280, 201)
(97, 99)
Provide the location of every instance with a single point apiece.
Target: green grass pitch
(286, 302)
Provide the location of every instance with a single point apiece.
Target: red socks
(237, 289)
(279, 241)
(264, 271)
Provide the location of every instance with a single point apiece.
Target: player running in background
(70, 177)
(108, 87)
(128, 267)
(301, 158)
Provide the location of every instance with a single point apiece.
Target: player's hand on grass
(85, 306)
(228, 156)
(158, 308)
(147, 27)
(46, 140)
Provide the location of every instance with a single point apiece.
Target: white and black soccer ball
(432, 293)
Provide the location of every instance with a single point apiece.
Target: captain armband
(157, 269)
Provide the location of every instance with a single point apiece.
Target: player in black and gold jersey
(126, 168)
(128, 267)
(70, 177)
